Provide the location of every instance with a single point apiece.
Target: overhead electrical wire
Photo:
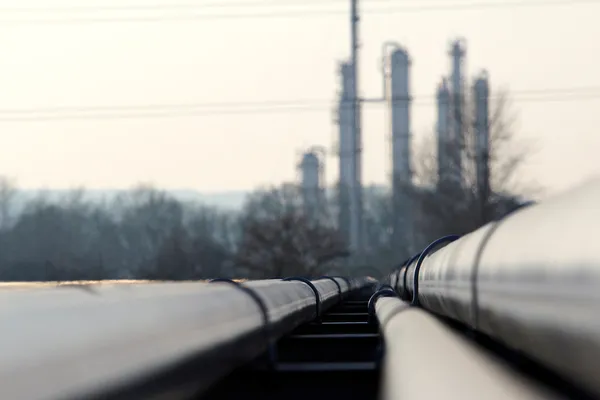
(303, 12)
(265, 107)
(418, 6)
(153, 107)
(157, 114)
(180, 6)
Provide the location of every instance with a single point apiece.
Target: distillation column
(310, 168)
(482, 131)
(443, 134)
(346, 154)
(401, 151)
(457, 53)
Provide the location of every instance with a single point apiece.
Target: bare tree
(464, 207)
(278, 239)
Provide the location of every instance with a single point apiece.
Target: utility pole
(356, 228)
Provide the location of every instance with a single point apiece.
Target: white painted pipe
(424, 360)
(67, 342)
(530, 281)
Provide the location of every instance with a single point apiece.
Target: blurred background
(256, 138)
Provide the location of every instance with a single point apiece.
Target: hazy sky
(244, 60)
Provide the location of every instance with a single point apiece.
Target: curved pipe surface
(538, 284)
(426, 360)
(119, 340)
(530, 281)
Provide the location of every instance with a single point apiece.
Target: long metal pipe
(424, 359)
(120, 340)
(530, 281)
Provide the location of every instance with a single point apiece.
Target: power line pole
(356, 220)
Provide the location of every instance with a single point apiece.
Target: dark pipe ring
(312, 286)
(383, 292)
(340, 294)
(264, 311)
(428, 249)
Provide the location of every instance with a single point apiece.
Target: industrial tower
(401, 154)
(457, 54)
(482, 136)
(311, 170)
(350, 214)
(443, 132)
(350, 147)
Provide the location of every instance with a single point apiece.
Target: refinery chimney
(350, 185)
(482, 137)
(347, 157)
(457, 53)
(401, 155)
(311, 169)
(443, 134)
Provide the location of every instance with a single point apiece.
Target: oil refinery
(451, 118)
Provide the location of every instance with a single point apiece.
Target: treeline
(145, 233)
(129, 237)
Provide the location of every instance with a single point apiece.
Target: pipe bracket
(271, 351)
(432, 246)
(314, 289)
(340, 294)
(384, 291)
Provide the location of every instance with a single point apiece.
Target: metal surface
(430, 249)
(405, 279)
(311, 169)
(123, 340)
(316, 361)
(400, 103)
(530, 281)
(457, 139)
(442, 128)
(446, 277)
(402, 226)
(424, 359)
(542, 296)
(346, 150)
(481, 92)
(359, 283)
(356, 202)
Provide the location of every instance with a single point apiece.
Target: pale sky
(247, 60)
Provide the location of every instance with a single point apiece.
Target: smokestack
(457, 53)
(310, 168)
(401, 157)
(347, 157)
(400, 114)
(443, 134)
(482, 135)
